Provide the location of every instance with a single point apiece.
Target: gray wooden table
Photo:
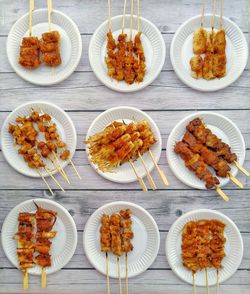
(167, 100)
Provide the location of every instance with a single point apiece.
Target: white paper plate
(223, 127)
(125, 173)
(233, 248)
(70, 46)
(153, 45)
(65, 127)
(146, 241)
(63, 245)
(182, 50)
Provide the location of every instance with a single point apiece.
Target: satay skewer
(70, 160)
(31, 9)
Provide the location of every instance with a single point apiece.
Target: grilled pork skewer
(45, 220)
(105, 241)
(127, 236)
(25, 244)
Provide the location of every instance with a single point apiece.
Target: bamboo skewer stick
(221, 193)
(31, 9)
(202, 14)
(140, 180)
(123, 17)
(207, 286)
(62, 172)
(60, 167)
(126, 273)
(149, 177)
(119, 274)
(70, 160)
(107, 273)
(194, 285)
(235, 181)
(54, 179)
(109, 17)
(46, 183)
(242, 169)
(160, 171)
(138, 15)
(25, 280)
(44, 278)
(74, 167)
(217, 281)
(131, 19)
(49, 4)
(213, 18)
(221, 8)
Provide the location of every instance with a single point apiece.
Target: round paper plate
(153, 45)
(70, 46)
(146, 241)
(63, 245)
(125, 173)
(233, 248)
(181, 52)
(223, 127)
(65, 128)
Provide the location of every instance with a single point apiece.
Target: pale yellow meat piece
(207, 70)
(199, 41)
(196, 64)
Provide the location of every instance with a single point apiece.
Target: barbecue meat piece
(210, 157)
(219, 65)
(220, 42)
(205, 136)
(195, 163)
(207, 69)
(29, 53)
(199, 41)
(196, 63)
(50, 48)
(52, 36)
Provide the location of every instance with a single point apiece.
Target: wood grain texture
(167, 101)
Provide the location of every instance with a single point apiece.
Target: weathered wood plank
(165, 93)
(13, 180)
(165, 120)
(67, 281)
(164, 206)
(88, 15)
(84, 62)
(80, 261)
